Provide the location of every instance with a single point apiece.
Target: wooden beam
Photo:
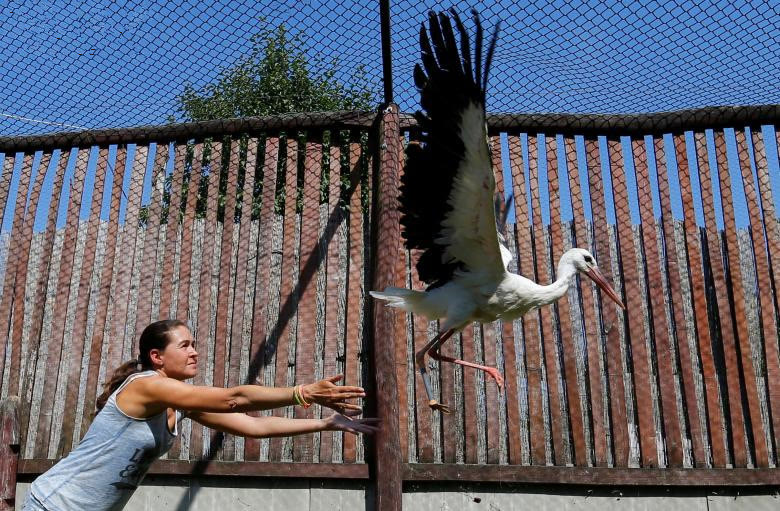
(230, 468)
(591, 475)
(387, 446)
(9, 451)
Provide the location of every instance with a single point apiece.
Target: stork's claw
(435, 405)
(493, 373)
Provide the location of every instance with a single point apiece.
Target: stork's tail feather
(406, 299)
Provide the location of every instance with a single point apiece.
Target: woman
(140, 409)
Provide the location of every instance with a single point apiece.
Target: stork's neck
(552, 292)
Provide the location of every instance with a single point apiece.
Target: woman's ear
(155, 356)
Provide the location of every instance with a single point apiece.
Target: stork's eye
(588, 259)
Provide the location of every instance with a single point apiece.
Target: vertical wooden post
(9, 451)
(387, 448)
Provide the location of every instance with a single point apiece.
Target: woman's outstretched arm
(155, 394)
(259, 427)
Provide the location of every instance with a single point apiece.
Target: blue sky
(70, 65)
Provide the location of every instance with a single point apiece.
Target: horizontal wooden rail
(591, 476)
(229, 468)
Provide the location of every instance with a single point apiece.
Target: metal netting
(70, 66)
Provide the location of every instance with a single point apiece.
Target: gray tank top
(103, 471)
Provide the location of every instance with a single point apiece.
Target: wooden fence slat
(257, 349)
(183, 306)
(767, 316)
(222, 336)
(658, 313)
(189, 213)
(727, 327)
(530, 321)
(172, 227)
(105, 290)
(206, 306)
(771, 220)
(675, 275)
(128, 249)
(242, 261)
(700, 296)
(289, 299)
(609, 320)
(592, 356)
(40, 294)
(307, 283)
(26, 372)
(507, 336)
(741, 330)
(5, 182)
(642, 377)
(732, 400)
(355, 276)
(541, 260)
(82, 308)
(564, 314)
(334, 327)
(771, 259)
(151, 239)
(19, 257)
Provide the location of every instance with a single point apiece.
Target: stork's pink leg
(491, 371)
(419, 358)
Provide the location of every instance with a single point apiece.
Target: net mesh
(70, 66)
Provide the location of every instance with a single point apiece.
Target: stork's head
(584, 262)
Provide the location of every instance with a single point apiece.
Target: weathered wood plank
(151, 239)
(592, 327)
(657, 310)
(289, 298)
(355, 276)
(663, 477)
(224, 343)
(82, 308)
(307, 306)
(564, 314)
(696, 277)
(173, 223)
(531, 336)
(45, 414)
(770, 259)
(206, 307)
(334, 328)
(610, 332)
(549, 344)
(738, 293)
(696, 265)
(106, 274)
(767, 316)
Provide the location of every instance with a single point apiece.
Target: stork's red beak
(600, 281)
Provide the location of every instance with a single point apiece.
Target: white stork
(447, 205)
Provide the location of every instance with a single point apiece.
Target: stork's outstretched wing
(448, 184)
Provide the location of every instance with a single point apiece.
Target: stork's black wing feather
(447, 187)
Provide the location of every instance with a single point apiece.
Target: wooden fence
(682, 388)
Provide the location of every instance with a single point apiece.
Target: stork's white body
(475, 296)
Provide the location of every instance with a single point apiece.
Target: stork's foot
(435, 405)
(493, 373)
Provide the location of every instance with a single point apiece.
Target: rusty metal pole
(9, 451)
(386, 472)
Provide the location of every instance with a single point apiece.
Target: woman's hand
(327, 393)
(338, 422)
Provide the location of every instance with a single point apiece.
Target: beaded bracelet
(298, 395)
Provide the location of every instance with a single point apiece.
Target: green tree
(275, 77)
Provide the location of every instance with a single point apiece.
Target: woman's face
(179, 358)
